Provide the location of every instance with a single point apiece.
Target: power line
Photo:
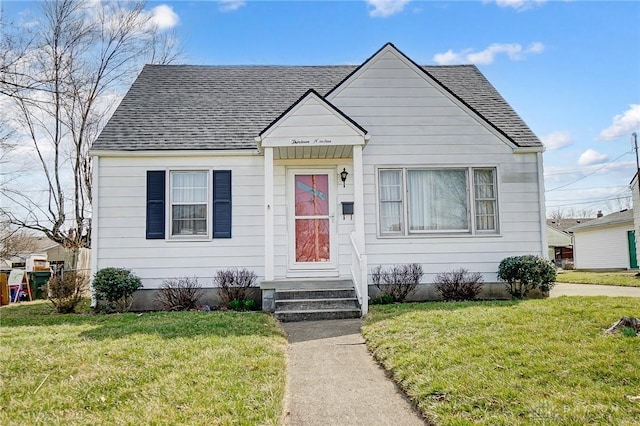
(593, 172)
(586, 200)
(602, 200)
(594, 187)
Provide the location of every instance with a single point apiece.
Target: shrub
(525, 273)
(459, 284)
(66, 290)
(114, 288)
(179, 294)
(234, 284)
(242, 305)
(398, 281)
(382, 299)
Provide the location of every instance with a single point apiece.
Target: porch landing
(310, 300)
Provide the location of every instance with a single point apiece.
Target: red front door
(312, 227)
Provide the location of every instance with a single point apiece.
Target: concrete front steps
(316, 300)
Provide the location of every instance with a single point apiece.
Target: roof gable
(309, 118)
(620, 218)
(180, 107)
(464, 85)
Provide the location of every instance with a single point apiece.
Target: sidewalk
(565, 289)
(333, 380)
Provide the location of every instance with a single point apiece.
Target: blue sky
(571, 69)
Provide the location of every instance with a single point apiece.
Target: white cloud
(384, 8)
(514, 51)
(557, 140)
(535, 47)
(591, 157)
(163, 17)
(623, 124)
(519, 5)
(448, 57)
(231, 5)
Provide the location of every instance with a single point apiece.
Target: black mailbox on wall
(347, 208)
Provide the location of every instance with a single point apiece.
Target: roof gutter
(529, 149)
(176, 153)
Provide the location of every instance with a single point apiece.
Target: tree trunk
(625, 322)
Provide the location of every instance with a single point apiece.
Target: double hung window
(189, 202)
(430, 200)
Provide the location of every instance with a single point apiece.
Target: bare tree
(14, 242)
(556, 215)
(623, 202)
(63, 79)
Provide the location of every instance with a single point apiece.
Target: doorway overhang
(312, 128)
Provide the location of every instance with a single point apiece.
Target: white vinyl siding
(418, 124)
(602, 248)
(121, 223)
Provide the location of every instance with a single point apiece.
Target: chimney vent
(599, 213)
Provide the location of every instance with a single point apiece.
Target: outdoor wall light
(343, 177)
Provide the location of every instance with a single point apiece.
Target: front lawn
(621, 278)
(152, 368)
(530, 362)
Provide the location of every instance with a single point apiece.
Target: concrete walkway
(333, 380)
(565, 289)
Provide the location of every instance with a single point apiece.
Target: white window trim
(402, 201)
(471, 211)
(494, 199)
(169, 214)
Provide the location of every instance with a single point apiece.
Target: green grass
(621, 278)
(153, 368)
(506, 363)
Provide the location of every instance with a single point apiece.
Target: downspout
(543, 209)
(94, 225)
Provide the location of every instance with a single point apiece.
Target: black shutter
(155, 204)
(222, 204)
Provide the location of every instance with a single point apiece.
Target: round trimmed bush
(114, 288)
(525, 273)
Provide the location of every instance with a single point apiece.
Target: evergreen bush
(525, 273)
(114, 288)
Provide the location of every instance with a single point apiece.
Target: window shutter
(155, 204)
(222, 204)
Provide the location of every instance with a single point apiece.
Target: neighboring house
(559, 241)
(635, 199)
(560, 245)
(607, 242)
(39, 246)
(57, 255)
(203, 168)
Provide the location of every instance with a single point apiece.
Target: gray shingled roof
(181, 107)
(564, 224)
(623, 216)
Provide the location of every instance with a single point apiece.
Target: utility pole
(635, 144)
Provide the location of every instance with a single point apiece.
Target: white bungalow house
(312, 175)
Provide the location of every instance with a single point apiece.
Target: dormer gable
(312, 121)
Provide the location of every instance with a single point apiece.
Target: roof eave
(173, 152)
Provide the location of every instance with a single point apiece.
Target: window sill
(439, 235)
(189, 238)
